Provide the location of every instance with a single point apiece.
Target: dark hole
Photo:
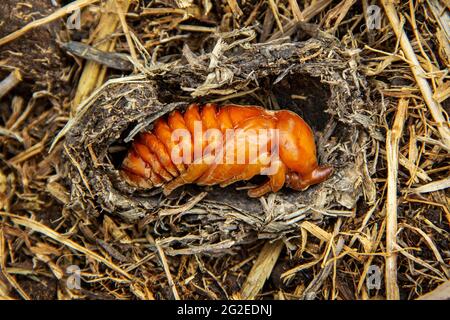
(301, 93)
(306, 96)
(118, 151)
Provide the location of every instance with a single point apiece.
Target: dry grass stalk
(120, 4)
(172, 284)
(11, 280)
(234, 6)
(27, 154)
(112, 60)
(39, 227)
(433, 186)
(322, 262)
(440, 293)
(325, 236)
(308, 13)
(298, 15)
(261, 270)
(93, 73)
(68, 9)
(10, 82)
(329, 264)
(419, 74)
(276, 14)
(392, 145)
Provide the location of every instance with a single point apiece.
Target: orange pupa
(209, 145)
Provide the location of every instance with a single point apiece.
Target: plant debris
(370, 78)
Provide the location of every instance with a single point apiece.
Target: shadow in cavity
(306, 96)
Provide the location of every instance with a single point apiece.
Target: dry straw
(388, 126)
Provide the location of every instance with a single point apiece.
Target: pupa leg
(193, 172)
(275, 182)
(250, 171)
(259, 191)
(318, 175)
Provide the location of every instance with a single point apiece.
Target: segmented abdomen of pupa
(201, 146)
(150, 161)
